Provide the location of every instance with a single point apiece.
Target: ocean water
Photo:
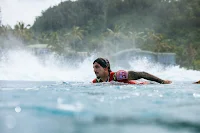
(56, 96)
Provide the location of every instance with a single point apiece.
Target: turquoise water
(56, 107)
(56, 96)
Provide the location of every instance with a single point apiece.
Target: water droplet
(18, 109)
(196, 95)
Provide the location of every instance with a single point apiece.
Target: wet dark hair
(103, 62)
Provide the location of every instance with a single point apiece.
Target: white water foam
(23, 65)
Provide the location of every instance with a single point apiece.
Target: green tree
(75, 38)
(22, 32)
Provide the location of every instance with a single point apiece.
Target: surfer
(103, 73)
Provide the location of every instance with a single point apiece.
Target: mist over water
(23, 65)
